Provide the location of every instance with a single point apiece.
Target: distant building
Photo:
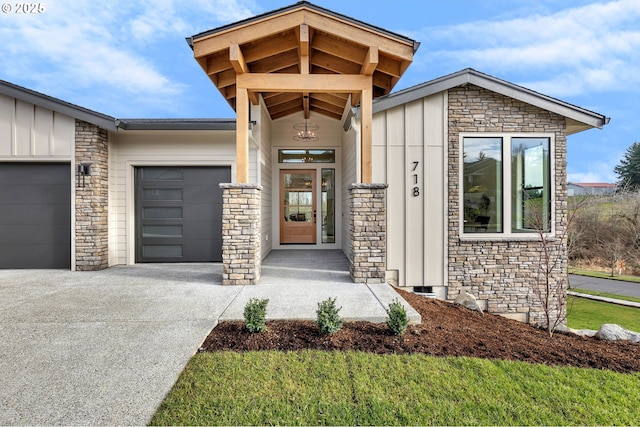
(591, 188)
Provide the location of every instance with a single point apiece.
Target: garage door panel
(36, 256)
(179, 213)
(35, 235)
(33, 194)
(35, 215)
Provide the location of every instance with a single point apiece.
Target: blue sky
(129, 59)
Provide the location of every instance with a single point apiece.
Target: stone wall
(241, 260)
(368, 232)
(504, 274)
(91, 195)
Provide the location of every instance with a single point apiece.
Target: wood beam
(273, 99)
(277, 62)
(242, 136)
(217, 63)
(370, 61)
(225, 78)
(305, 104)
(330, 98)
(334, 63)
(316, 103)
(339, 83)
(366, 135)
(304, 40)
(264, 48)
(237, 59)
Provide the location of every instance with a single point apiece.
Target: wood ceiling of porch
(303, 39)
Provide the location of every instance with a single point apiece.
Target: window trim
(507, 234)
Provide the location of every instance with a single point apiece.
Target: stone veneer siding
(241, 261)
(502, 274)
(368, 232)
(91, 225)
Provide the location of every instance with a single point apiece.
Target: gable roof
(57, 105)
(579, 119)
(302, 39)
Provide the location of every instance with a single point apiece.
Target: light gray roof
(108, 122)
(57, 105)
(176, 124)
(471, 76)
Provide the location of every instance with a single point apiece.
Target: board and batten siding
(265, 168)
(154, 148)
(409, 155)
(350, 175)
(29, 132)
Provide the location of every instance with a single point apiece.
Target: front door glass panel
(297, 208)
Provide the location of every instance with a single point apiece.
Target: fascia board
(59, 106)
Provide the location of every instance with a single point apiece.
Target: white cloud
(106, 47)
(596, 46)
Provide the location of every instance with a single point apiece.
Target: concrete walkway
(104, 348)
(606, 299)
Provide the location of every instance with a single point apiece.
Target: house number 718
(415, 191)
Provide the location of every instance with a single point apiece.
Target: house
(591, 188)
(428, 188)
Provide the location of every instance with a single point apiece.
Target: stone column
(241, 259)
(368, 232)
(91, 195)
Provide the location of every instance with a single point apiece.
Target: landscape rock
(613, 332)
(467, 300)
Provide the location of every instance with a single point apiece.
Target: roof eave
(176, 124)
(300, 5)
(470, 76)
(41, 100)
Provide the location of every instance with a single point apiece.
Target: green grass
(589, 314)
(351, 388)
(602, 275)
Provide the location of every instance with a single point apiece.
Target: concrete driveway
(104, 348)
(101, 347)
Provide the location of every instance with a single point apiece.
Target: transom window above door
(306, 156)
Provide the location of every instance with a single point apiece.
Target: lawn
(353, 388)
(589, 314)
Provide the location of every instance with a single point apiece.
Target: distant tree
(628, 170)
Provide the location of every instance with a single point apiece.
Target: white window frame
(507, 233)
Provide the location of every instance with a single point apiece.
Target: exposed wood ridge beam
(304, 40)
(237, 59)
(305, 104)
(370, 61)
(340, 83)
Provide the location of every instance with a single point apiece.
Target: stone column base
(368, 232)
(241, 260)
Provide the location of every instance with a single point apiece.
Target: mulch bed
(446, 330)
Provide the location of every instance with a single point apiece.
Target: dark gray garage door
(35, 215)
(179, 213)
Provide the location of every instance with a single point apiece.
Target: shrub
(254, 314)
(329, 320)
(397, 320)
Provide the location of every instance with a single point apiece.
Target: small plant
(254, 314)
(329, 320)
(397, 320)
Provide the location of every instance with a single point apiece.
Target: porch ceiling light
(306, 132)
